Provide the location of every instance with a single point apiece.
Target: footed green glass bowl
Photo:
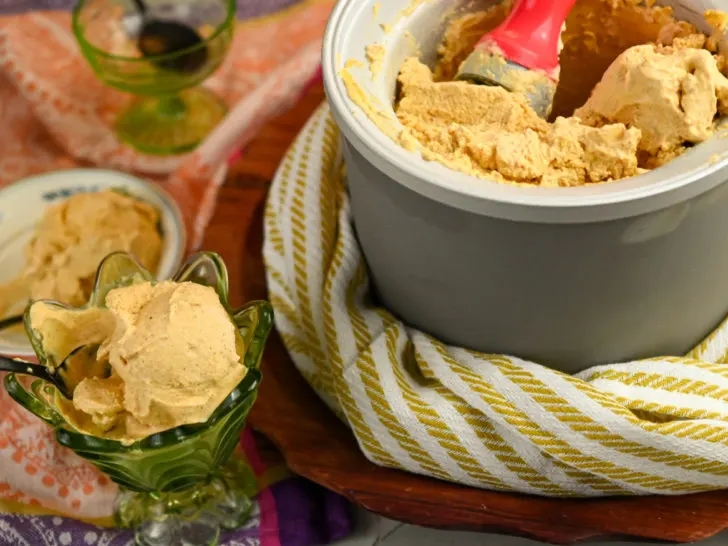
(172, 113)
(183, 485)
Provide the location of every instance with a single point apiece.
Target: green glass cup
(172, 113)
(184, 485)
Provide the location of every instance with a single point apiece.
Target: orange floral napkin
(55, 114)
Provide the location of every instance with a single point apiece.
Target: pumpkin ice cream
(73, 237)
(671, 94)
(167, 356)
(637, 89)
(493, 133)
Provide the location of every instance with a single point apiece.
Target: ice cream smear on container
(166, 354)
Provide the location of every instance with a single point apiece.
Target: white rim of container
(633, 196)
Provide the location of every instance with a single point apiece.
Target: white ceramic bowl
(23, 203)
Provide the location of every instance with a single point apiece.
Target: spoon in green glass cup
(35, 370)
(162, 38)
(57, 377)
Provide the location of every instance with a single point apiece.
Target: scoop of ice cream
(673, 95)
(492, 133)
(72, 239)
(172, 350)
(174, 347)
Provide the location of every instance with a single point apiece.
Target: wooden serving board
(318, 446)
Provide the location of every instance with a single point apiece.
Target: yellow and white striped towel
(657, 426)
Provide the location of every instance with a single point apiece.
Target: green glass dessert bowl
(184, 485)
(172, 113)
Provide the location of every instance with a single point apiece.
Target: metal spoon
(57, 377)
(10, 321)
(35, 370)
(168, 37)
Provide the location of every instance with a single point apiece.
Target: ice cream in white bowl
(46, 254)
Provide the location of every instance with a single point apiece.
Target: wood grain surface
(319, 447)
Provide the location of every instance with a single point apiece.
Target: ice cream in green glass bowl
(162, 375)
(172, 113)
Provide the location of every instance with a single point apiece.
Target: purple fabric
(310, 514)
(307, 516)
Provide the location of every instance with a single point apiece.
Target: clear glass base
(171, 125)
(190, 517)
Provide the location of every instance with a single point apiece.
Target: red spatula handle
(530, 34)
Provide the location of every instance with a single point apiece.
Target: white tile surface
(375, 531)
(387, 527)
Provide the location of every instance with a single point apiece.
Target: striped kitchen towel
(656, 426)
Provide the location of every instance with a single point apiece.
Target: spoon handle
(34, 370)
(10, 321)
(141, 6)
(18, 366)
